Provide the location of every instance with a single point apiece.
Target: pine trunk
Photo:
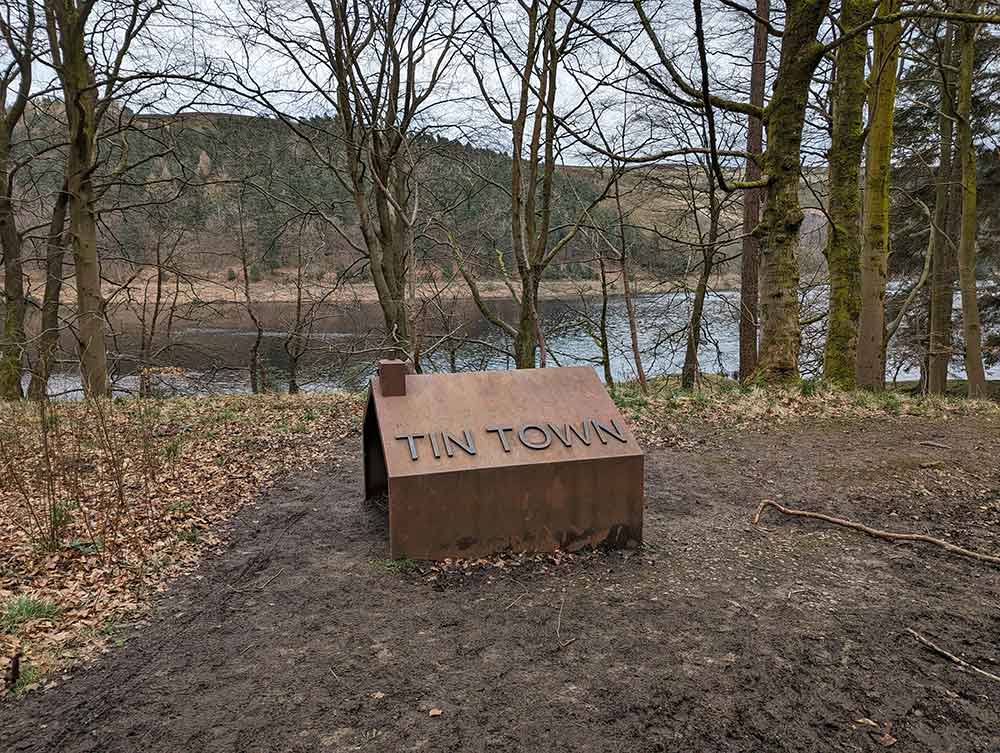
(942, 290)
(971, 325)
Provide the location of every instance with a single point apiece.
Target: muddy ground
(716, 637)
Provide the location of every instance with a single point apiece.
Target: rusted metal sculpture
(480, 462)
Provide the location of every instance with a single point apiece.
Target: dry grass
(656, 418)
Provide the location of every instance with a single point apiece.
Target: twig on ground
(559, 621)
(950, 656)
(879, 534)
(938, 445)
(261, 587)
(515, 601)
(562, 644)
(270, 580)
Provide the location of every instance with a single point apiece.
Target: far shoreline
(279, 287)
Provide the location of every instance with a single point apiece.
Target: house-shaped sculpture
(481, 462)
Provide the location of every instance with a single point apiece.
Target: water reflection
(212, 357)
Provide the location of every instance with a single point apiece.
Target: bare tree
(72, 52)
(518, 76)
(374, 68)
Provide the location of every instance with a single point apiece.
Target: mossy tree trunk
(843, 248)
(870, 371)
(779, 274)
(966, 152)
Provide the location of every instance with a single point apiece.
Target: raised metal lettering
(585, 437)
(411, 440)
(499, 430)
(612, 430)
(564, 437)
(534, 445)
(469, 445)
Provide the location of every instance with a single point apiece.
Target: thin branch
(875, 532)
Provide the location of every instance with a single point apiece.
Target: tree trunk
(942, 292)
(609, 378)
(293, 375)
(750, 257)
(966, 149)
(48, 338)
(294, 343)
(526, 338)
(870, 372)
(843, 247)
(80, 95)
(12, 336)
(689, 372)
(633, 326)
(779, 278)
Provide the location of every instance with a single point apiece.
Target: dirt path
(717, 637)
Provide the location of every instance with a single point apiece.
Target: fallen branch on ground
(950, 656)
(885, 535)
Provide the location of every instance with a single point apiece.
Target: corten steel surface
(480, 462)
(392, 377)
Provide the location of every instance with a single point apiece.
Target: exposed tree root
(951, 657)
(885, 535)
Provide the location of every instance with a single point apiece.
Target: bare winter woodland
(456, 163)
